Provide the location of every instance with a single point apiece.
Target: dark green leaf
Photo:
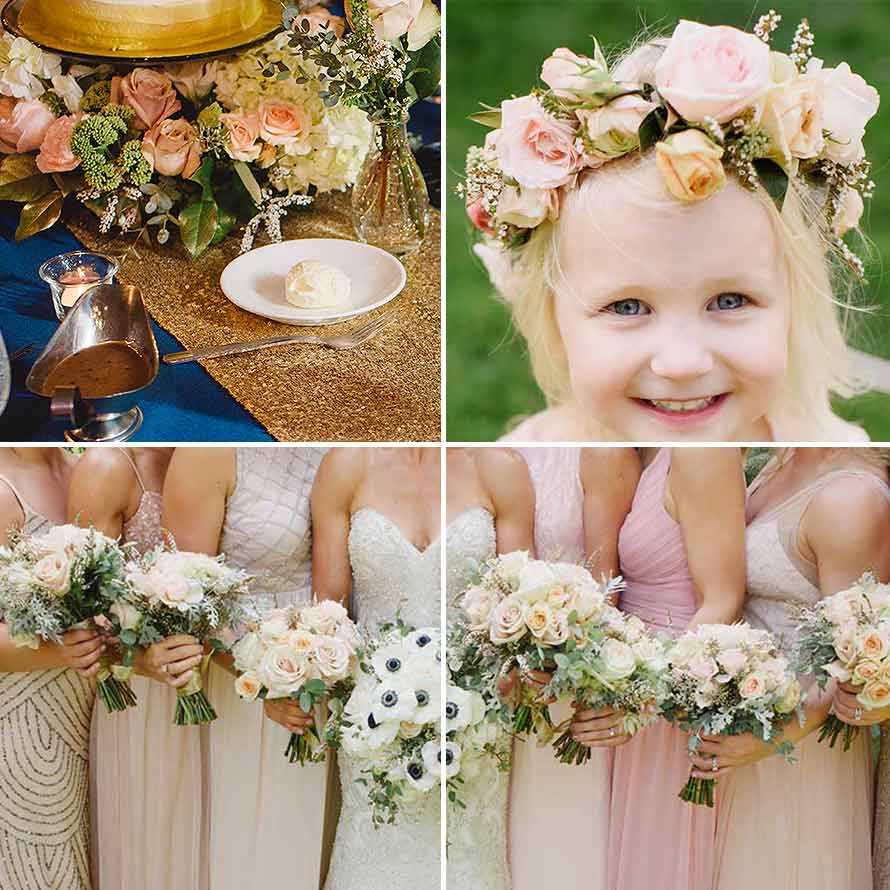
(197, 225)
(225, 222)
(425, 69)
(27, 190)
(203, 177)
(652, 128)
(39, 215)
(774, 179)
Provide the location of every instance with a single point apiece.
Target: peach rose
(792, 114)
(613, 130)
(243, 131)
(527, 208)
(875, 695)
(850, 213)
(566, 74)
(392, 18)
(55, 150)
(480, 217)
(25, 126)
(283, 123)
(507, 622)
(534, 147)
(172, 148)
(537, 619)
(849, 104)
(248, 686)
(318, 17)
(866, 671)
(690, 165)
(149, 93)
(752, 686)
(873, 645)
(54, 574)
(712, 71)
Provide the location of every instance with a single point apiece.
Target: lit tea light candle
(75, 283)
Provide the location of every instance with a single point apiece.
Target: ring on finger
(714, 764)
(857, 714)
(611, 732)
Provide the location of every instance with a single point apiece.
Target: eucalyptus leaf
(128, 637)
(39, 215)
(245, 174)
(306, 701)
(774, 179)
(197, 225)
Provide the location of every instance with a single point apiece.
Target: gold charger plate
(267, 25)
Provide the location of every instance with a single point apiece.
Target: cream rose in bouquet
(306, 653)
(64, 579)
(727, 680)
(392, 721)
(846, 637)
(169, 592)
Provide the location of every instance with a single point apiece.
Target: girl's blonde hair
(818, 356)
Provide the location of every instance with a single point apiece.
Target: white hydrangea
(23, 67)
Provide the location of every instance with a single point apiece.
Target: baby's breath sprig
(743, 145)
(802, 45)
(766, 24)
(484, 181)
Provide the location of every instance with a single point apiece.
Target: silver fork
(344, 341)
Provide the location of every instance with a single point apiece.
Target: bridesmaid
(581, 499)
(805, 826)
(45, 704)
(147, 784)
(490, 510)
(681, 551)
(266, 815)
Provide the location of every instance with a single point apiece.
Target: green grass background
(495, 48)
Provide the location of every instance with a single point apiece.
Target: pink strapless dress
(655, 839)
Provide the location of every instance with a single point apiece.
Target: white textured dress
(44, 771)
(477, 832)
(389, 575)
(266, 814)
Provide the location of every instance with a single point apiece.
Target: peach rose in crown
(527, 208)
(283, 123)
(149, 93)
(690, 165)
(243, 131)
(25, 126)
(614, 129)
(713, 71)
(534, 147)
(173, 148)
(55, 150)
(792, 114)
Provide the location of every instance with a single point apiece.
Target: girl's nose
(680, 355)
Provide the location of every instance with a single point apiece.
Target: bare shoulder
(103, 466)
(860, 504)
(339, 474)
(203, 467)
(11, 514)
(496, 464)
(607, 465)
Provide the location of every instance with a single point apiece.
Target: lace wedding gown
(477, 833)
(390, 575)
(44, 767)
(266, 814)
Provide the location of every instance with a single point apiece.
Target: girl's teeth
(694, 405)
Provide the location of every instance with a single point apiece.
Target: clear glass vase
(390, 203)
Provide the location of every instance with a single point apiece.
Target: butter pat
(311, 284)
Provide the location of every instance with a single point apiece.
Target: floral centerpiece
(169, 592)
(63, 580)
(846, 637)
(305, 652)
(193, 148)
(727, 680)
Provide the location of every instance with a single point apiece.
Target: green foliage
(95, 140)
(55, 103)
(96, 97)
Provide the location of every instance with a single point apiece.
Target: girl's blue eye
(628, 307)
(728, 301)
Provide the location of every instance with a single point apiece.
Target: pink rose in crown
(480, 217)
(283, 123)
(713, 71)
(55, 150)
(534, 147)
(25, 126)
(149, 93)
(243, 131)
(173, 148)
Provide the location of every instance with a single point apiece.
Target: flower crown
(721, 100)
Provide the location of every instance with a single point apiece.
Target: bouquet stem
(115, 694)
(304, 748)
(699, 792)
(570, 751)
(192, 705)
(832, 728)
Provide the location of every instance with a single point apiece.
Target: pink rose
(535, 148)
(392, 18)
(849, 104)
(480, 217)
(712, 71)
(317, 17)
(567, 74)
(792, 114)
(26, 125)
(243, 131)
(172, 148)
(283, 123)
(149, 93)
(55, 150)
(732, 661)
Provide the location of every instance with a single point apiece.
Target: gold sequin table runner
(385, 390)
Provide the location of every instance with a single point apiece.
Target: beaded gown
(390, 574)
(44, 770)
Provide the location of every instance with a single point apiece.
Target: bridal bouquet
(170, 592)
(728, 680)
(62, 580)
(305, 652)
(194, 147)
(391, 722)
(846, 636)
(533, 615)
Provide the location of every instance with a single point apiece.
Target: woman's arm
(707, 493)
(99, 494)
(609, 477)
(336, 483)
(505, 477)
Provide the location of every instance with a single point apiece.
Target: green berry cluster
(106, 166)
